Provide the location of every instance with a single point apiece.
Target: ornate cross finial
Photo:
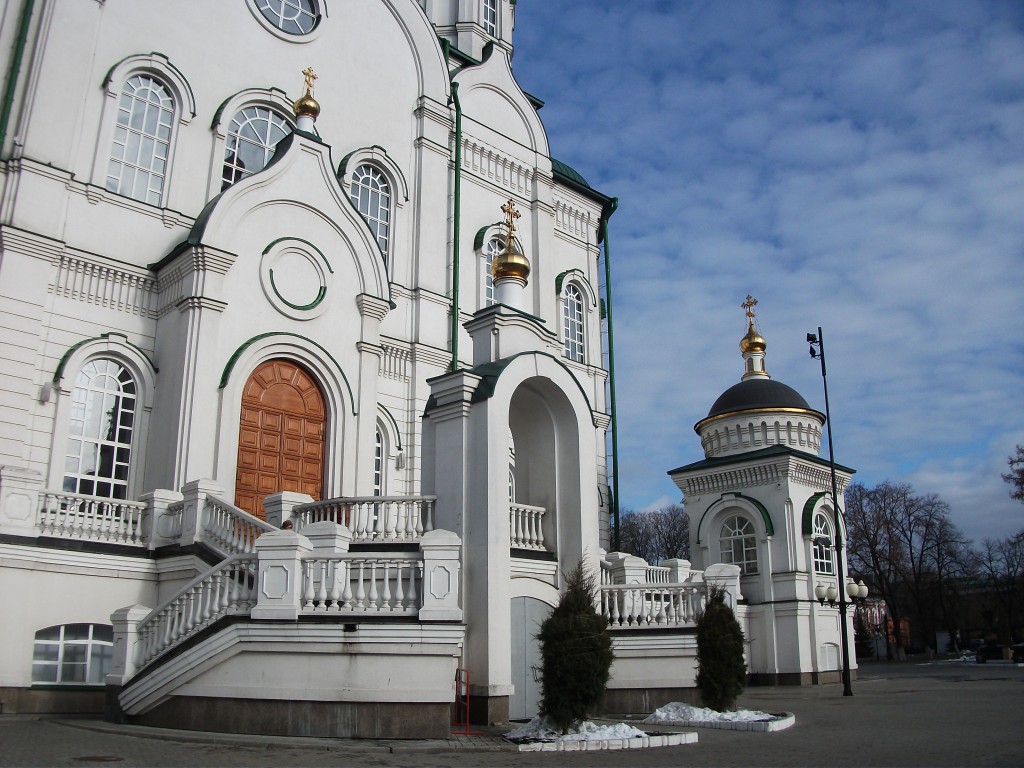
(749, 305)
(511, 214)
(310, 76)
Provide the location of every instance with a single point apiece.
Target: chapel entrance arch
(281, 435)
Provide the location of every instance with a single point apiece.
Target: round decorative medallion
(295, 276)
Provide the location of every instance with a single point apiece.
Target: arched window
(490, 17)
(572, 316)
(739, 544)
(251, 141)
(296, 17)
(142, 139)
(492, 249)
(823, 560)
(100, 430)
(378, 464)
(72, 654)
(371, 195)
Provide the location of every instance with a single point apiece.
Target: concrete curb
(779, 723)
(639, 742)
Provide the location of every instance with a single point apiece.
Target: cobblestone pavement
(940, 714)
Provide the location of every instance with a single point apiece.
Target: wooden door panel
(280, 435)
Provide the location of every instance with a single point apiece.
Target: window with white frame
(72, 654)
(142, 140)
(371, 195)
(490, 17)
(739, 544)
(823, 560)
(378, 464)
(492, 249)
(572, 316)
(251, 140)
(102, 422)
(296, 17)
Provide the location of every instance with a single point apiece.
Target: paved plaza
(939, 714)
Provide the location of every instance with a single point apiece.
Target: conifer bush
(721, 670)
(576, 653)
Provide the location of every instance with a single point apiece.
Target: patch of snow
(677, 712)
(542, 729)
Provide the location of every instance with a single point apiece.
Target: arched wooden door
(281, 435)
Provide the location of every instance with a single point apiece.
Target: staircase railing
(373, 518)
(230, 529)
(228, 588)
(92, 518)
(356, 585)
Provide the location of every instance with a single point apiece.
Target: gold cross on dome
(511, 214)
(310, 76)
(749, 305)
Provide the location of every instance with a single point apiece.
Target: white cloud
(854, 166)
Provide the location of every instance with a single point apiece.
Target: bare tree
(1015, 477)
(1002, 563)
(657, 535)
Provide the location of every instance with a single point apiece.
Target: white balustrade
(92, 518)
(362, 585)
(647, 605)
(229, 528)
(526, 527)
(373, 518)
(657, 574)
(227, 589)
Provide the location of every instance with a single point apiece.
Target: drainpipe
(12, 75)
(456, 226)
(613, 205)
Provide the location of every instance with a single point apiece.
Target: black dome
(758, 393)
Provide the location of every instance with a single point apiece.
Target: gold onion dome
(510, 262)
(307, 105)
(752, 342)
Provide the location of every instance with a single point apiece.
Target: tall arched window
(142, 139)
(251, 141)
(102, 423)
(739, 544)
(490, 17)
(572, 316)
(378, 464)
(823, 561)
(492, 249)
(371, 195)
(73, 654)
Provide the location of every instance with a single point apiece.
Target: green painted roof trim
(58, 373)
(768, 526)
(807, 522)
(302, 240)
(394, 424)
(774, 450)
(229, 367)
(478, 238)
(299, 307)
(571, 178)
(220, 109)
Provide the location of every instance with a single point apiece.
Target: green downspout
(456, 226)
(616, 541)
(12, 75)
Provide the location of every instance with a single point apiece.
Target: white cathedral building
(304, 402)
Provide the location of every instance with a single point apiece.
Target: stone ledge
(640, 742)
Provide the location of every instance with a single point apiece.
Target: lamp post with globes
(817, 342)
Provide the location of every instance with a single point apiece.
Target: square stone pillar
(192, 515)
(20, 490)
(160, 526)
(278, 506)
(442, 565)
(279, 589)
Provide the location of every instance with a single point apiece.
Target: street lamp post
(817, 343)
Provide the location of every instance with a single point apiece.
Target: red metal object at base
(460, 709)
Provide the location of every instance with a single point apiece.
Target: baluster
(374, 596)
(320, 567)
(385, 598)
(360, 590)
(378, 523)
(399, 588)
(415, 572)
(346, 592)
(662, 615)
(307, 591)
(615, 595)
(335, 567)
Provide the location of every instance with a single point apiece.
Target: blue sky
(853, 165)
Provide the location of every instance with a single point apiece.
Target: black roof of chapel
(755, 394)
